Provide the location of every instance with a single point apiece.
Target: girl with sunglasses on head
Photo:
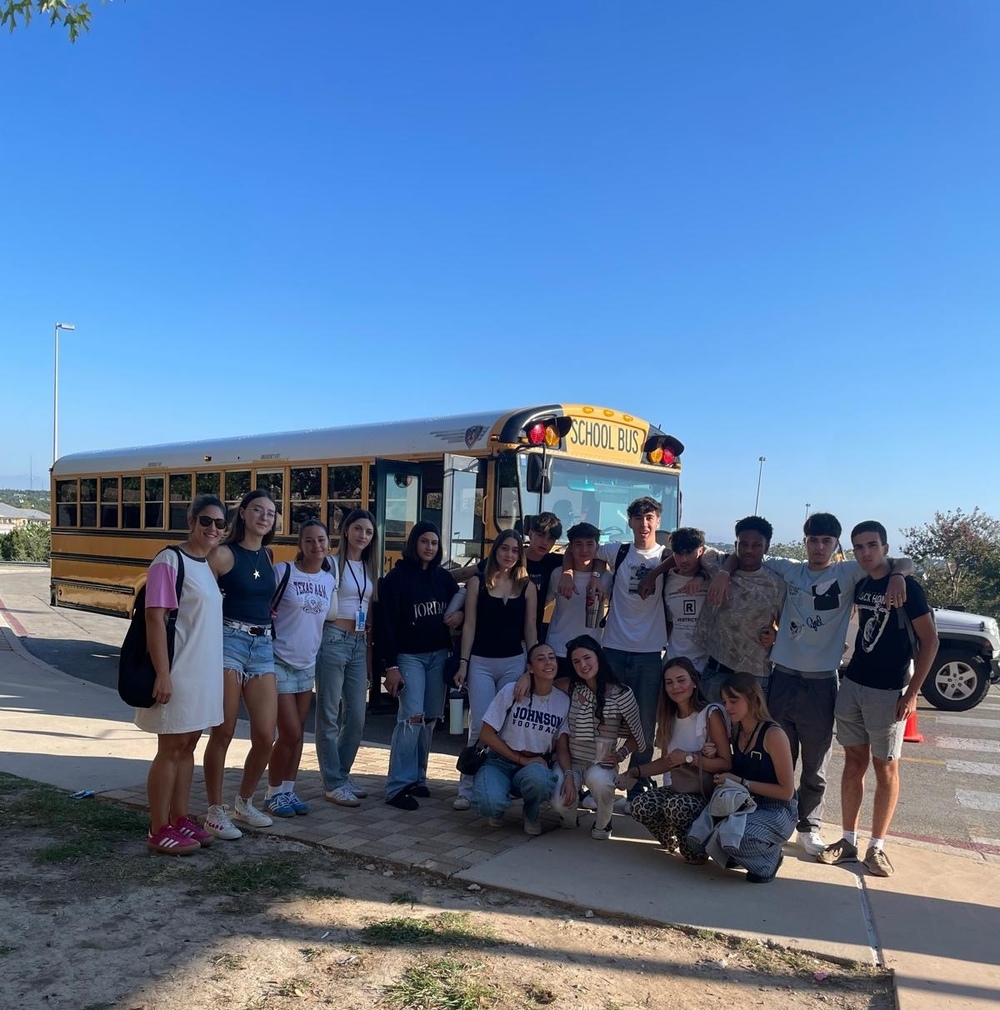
(307, 591)
(188, 688)
(694, 745)
(342, 663)
(500, 624)
(242, 565)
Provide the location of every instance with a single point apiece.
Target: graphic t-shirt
(634, 624)
(302, 609)
(683, 610)
(883, 650)
(530, 725)
(813, 626)
(569, 617)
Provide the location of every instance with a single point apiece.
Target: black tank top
(499, 625)
(754, 763)
(246, 598)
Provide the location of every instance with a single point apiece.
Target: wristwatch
(688, 759)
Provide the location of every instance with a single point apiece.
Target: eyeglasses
(261, 512)
(206, 521)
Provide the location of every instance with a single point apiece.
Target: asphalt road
(950, 782)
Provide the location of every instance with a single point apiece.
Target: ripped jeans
(421, 704)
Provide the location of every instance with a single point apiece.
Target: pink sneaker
(191, 829)
(171, 842)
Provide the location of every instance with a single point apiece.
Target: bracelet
(464, 661)
(388, 668)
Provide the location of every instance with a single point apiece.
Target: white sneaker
(461, 803)
(811, 842)
(532, 827)
(359, 791)
(244, 810)
(217, 822)
(343, 797)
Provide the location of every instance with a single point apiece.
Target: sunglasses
(206, 521)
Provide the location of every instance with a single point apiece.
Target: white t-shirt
(302, 609)
(355, 587)
(530, 725)
(684, 609)
(634, 624)
(569, 617)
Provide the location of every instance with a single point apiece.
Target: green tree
(26, 543)
(958, 557)
(795, 551)
(75, 16)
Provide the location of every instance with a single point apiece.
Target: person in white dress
(187, 689)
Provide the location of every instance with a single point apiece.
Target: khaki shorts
(867, 715)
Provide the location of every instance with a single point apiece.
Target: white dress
(196, 671)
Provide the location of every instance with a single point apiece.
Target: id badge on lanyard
(360, 618)
(361, 614)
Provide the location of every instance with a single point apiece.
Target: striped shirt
(621, 716)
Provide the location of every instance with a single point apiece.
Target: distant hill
(25, 499)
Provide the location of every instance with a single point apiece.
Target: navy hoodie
(412, 602)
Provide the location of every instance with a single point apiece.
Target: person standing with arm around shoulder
(307, 588)
(414, 639)
(188, 689)
(242, 566)
(342, 664)
(500, 624)
(545, 529)
(875, 699)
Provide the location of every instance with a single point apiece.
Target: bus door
(461, 523)
(398, 498)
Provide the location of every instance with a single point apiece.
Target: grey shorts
(867, 715)
(292, 681)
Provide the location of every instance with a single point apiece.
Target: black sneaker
(403, 801)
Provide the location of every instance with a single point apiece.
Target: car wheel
(957, 681)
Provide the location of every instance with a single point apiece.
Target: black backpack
(619, 561)
(136, 675)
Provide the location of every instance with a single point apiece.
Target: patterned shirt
(621, 716)
(731, 633)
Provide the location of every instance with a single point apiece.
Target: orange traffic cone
(911, 733)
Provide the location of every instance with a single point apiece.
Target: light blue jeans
(421, 704)
(499, 780)
(341, 696)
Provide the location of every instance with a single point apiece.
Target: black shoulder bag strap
(619, 561)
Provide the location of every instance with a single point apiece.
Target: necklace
(747, 736)
(256, 560)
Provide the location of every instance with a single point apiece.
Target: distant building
(11, 517)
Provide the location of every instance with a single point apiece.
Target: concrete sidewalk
(935, 921)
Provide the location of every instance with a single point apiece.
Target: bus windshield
(599, 494)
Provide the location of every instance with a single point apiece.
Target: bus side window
(131, 508)
(237, 485)
(153, 503)
(66, 496)
(88, 501)
(305, 495)
(180, 499)
(343, 493)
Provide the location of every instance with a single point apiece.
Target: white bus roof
(429, 436)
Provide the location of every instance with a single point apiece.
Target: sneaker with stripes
(171, 842)
(191, 829)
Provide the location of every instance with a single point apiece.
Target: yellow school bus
(472, 474)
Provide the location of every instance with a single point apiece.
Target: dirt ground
(90, 921)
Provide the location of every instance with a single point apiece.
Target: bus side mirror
(539, 479)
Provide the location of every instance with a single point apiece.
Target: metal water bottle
(593, 605)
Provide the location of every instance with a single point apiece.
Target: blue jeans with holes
(422, 699)
(499, 779)
(341, 696)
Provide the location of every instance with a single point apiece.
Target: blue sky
(770, 228)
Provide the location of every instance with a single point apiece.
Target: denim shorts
(292, 681)
(249, 655)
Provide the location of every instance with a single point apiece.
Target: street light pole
(55, 390)
(761, 460)
(808, 507)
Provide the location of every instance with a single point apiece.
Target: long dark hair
(518, 574)
(410, 550)
(327, 563)
(369, 556)
(238, 530)
(605, 675)
(666, 708)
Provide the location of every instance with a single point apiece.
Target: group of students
(727, 664)
(246, 628)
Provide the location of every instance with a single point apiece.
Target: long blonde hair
(519, 572)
